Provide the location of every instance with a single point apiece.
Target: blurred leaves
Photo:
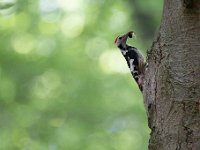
(64, 85)
(6, 5)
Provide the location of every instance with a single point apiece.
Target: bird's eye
(120, 38)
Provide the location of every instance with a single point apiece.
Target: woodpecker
(134, 58)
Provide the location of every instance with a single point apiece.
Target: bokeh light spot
(114, 23)
(73, 25)
(48, 5)
(24, 43)
(71, 6)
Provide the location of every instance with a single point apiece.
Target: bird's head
(120, 41)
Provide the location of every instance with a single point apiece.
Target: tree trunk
(172, 80)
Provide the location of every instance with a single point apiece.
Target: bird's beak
(130, 34)
(125, 37)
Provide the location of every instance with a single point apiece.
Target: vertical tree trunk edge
(172, 79)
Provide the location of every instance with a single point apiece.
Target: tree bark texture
(172, 79)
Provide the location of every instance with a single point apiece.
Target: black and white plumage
(134, 58)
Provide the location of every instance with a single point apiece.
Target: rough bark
(172, 80)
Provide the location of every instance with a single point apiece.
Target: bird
(133, 56)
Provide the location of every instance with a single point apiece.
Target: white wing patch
(124, 52)
(131, 65)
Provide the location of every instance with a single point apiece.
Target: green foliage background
(63, 83)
